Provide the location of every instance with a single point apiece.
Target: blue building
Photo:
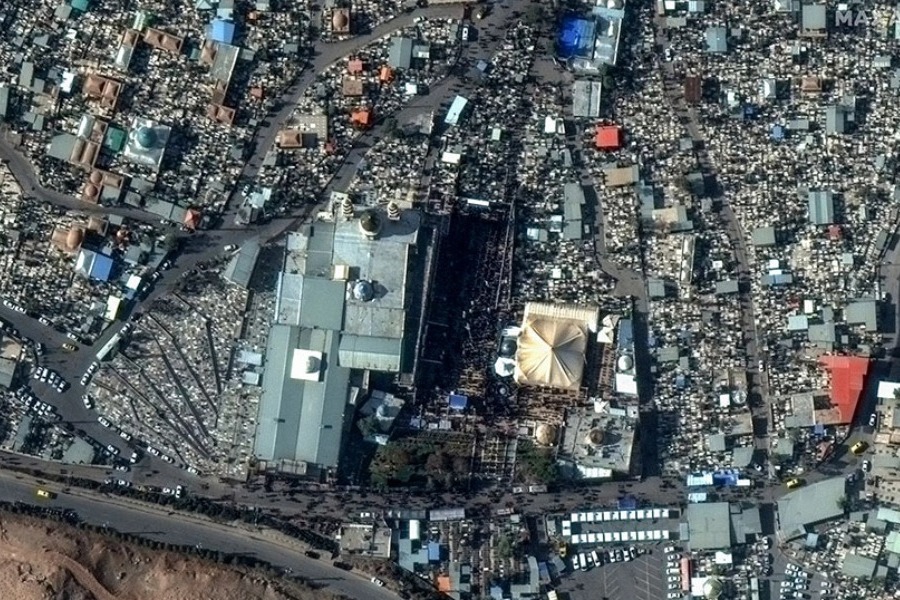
(102, 267)
(576, 37)
(222, 31)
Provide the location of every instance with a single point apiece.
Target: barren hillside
(41, 560)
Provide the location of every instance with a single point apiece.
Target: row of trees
(402, 463)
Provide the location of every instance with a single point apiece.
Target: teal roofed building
(115, 139)
(82, 5)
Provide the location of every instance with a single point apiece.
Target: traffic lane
(24, 173)
(149, 523)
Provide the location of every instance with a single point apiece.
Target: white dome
(712, 588)
(363, 291)
(625, 363)
(504, 367)
(312, 364)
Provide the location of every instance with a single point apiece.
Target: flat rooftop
(611, 450)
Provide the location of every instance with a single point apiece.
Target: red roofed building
(848, 380)
(609, 137)
(362, 118)
(192, 218)
(355, 66)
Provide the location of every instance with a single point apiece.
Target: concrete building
(341, 305)
(586, 99)
(146, 143)
(400, 53)
(303, 409)
(809, 505)
(821, 207)
(709, 525)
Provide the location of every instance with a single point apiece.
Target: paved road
(174, 528)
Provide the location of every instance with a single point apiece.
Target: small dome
(96, 177)
(545, 434)
(74, 238)
(339, 21)
(369, 223)
(504, 368)
(595, 437)
(145, 137)
(312, 364)
(363, 291)
(625, 363)
(712, 588)
(91, 190)
(508, 348)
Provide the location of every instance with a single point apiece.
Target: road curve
(155, 523)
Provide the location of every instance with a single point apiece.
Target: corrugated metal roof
(240, 268)
(709, 525)
(373, 353)
(301, 420)
(400, 53)
(821, 207)
(808, 505)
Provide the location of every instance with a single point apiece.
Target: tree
(504, 547)
(844, 503)
(170, 243)
(368, 426)
(437, 463)
(537, 465)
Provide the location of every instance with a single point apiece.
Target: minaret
(393, 211)
(347, 208)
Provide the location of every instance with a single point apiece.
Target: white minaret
(393, 211)
(347, 208)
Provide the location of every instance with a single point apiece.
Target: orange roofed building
(848, 380)
(163, 41)
(609, 137)
(362, 118)
(386, 75)
(104, 89)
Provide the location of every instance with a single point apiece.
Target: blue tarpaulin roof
(726, 478)
(101, 268)
(576, 37)
(458, 402)
(221, 30)
(778, 133)
(434, 552)
(627, 503)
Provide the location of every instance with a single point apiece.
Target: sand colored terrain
(42, 560)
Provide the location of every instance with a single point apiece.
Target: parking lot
(643, 578)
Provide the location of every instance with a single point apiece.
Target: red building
(609, 137)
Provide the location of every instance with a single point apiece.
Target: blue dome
(146, 137)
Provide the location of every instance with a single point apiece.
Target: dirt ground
(41, 560)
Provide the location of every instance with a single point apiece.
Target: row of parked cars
(673, 573)
(795, 583)
(36, 406)
(51, 378)
(89, 373)
(596, 558)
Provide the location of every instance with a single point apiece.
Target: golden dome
(545, 434)
(74, 238)
(339, 20)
